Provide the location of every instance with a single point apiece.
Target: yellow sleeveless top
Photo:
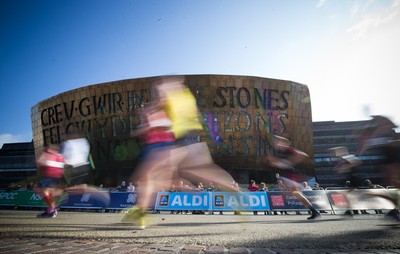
(182, 109)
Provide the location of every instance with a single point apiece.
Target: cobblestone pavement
(74, 232)
(46, 246)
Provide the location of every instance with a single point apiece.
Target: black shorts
(78, 175)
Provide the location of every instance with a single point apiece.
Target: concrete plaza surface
(94, 232)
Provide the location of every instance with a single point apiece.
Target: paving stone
(194, 247)
(308, 251)
(175, 248)
(127, 248)
(239, 250)
(281, 251)
(155, 246)
(215, 249)
(261, 250)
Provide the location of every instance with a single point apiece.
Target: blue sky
(345, 51)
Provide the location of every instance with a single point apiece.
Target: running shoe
(53, 214)
(136, 216)
(393, 214)
(348, 214)
(314, 216)
(46, 214)
(43, 215)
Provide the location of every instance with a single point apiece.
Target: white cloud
(358, 73)
(375, 20)
(10, 138)
(354, 9)
(320, 3)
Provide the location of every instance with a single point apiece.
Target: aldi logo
(164, 200)
(219, 200)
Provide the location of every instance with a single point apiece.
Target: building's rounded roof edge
(166, 75)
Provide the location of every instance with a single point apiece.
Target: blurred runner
(76, 152)
(51, 184)
(151, 175)
(287, 158)
(188, 159)
(379, 138)
(347, 165)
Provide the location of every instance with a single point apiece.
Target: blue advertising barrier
(117, 201)
(122, 200)
(239, 201)
(336, 200)
(183, 201)
(88, 201)
(212, 201)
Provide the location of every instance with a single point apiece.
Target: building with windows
(331, 134)
(17, 163)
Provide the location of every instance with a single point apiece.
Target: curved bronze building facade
(240, 114)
